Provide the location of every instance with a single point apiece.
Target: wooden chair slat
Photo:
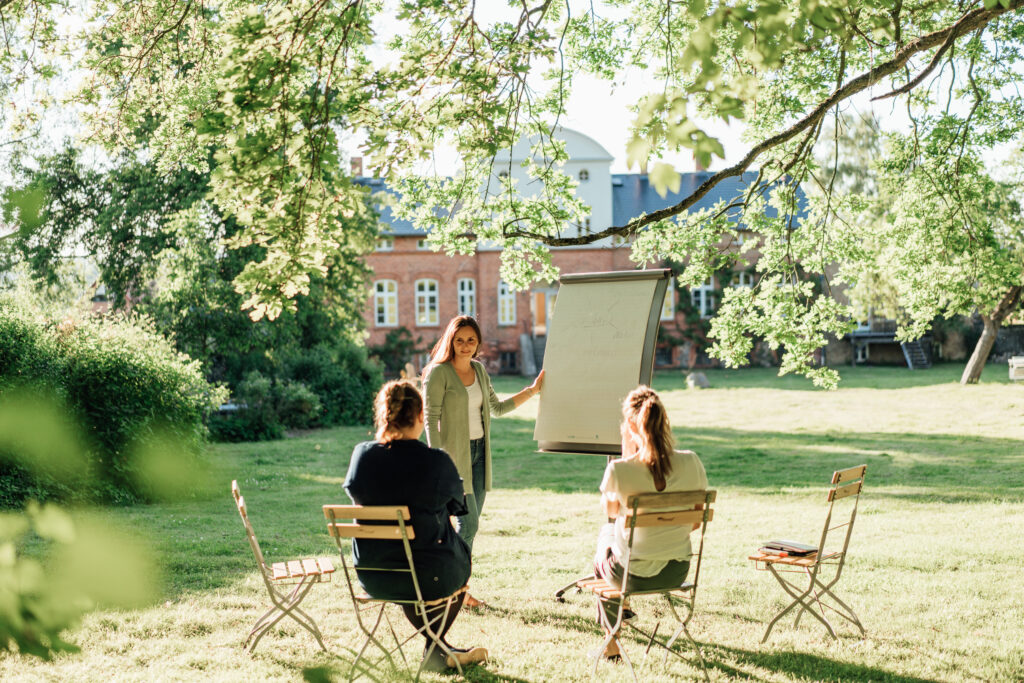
(388, 532)
(372, 512)
(325, 564)
(295, 568)
(843, 491)
(839, 476)
(674, 518)
(678, 499)
(767, 558)
(309, 567)
(280, 570)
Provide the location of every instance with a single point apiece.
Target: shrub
(398, 348)
(122, 381)
(342, 377)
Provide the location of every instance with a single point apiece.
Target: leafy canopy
(270, 87)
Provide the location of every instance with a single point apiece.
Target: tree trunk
(972, 372)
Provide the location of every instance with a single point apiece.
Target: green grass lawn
(936, 570)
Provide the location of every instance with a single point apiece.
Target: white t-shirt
(476, 405)
(653, 547)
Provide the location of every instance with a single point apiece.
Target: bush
(398, 348)
(121, 380)
(342, 377)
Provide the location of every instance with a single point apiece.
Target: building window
(668, 307)
(426, 302)
(506, 304)
(385, 244)
(422, 245)
(584, 175)
(586, 225)
(743, 279)
(385, 303)
(509, 361)
(663, 355)
(467, 296)
(703, 298)
(503, 174)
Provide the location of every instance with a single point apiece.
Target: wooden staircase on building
(917, 357)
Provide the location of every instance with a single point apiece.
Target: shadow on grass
(799, 665)
(940, 468)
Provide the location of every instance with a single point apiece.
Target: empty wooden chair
(287, 583)
(683, 509)
(814, 562)
(385, 522)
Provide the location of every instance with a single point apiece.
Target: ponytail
(647, 414)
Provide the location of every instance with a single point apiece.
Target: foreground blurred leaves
(79, 562)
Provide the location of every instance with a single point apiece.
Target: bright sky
(595, 108)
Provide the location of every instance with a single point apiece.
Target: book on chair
(790, 548)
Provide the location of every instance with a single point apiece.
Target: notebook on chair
(791, 548)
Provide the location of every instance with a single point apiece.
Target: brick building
(416, 288)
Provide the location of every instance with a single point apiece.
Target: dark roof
(389, 224)
(632, 195)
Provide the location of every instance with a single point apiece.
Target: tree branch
(970, 22)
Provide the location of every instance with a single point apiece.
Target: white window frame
(426, 303)
(467, 296)
(743, 279)
(703, 297)
(385, 244)
(506, 304)
(668, 307)
(385, 301)
(422, 244)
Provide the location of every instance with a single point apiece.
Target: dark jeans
(610, 570)
(469, 523)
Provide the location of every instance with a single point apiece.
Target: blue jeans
(469, 523)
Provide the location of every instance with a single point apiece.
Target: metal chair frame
(302, 574)
(684, 508)
(846, 483)
(399, 531)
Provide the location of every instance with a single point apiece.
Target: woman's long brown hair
(444, 349)
(646, 412)
(396, 407)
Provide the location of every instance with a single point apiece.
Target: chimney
(357, 166)
(697, 166)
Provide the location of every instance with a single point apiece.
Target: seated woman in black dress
(398, 469)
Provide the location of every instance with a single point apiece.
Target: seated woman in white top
(649, 464)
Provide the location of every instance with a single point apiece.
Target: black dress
(408, 472)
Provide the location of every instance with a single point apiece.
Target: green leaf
(665, 177)
(638, 150)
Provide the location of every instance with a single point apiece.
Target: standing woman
(460, 402)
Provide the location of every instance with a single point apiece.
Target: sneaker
(471, 656)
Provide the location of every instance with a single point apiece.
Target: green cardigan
(447, 416)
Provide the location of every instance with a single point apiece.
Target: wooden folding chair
(301, 574)
(846, 485)
(386, 522)
(683, 509)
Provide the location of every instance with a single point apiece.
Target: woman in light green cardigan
(460, 402)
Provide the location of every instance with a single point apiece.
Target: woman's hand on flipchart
(537, 383)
